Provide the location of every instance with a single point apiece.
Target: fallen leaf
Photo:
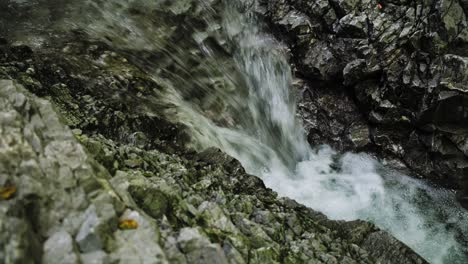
(7, 192)
(128, 224)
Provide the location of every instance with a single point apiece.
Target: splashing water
(229, 82)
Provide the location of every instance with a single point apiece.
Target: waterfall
(229, 82)
(273, 146)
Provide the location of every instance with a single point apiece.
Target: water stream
(229, 81)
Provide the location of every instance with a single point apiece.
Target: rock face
(389, 76)
(101, 179)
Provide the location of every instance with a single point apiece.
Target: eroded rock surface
(389, 76)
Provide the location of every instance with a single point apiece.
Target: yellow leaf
(128, 224)
(7, 192)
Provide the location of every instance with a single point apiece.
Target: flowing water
(229, 81)
(274, 147)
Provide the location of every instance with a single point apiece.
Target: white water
(258, 126)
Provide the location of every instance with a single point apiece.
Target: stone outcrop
(388, 76)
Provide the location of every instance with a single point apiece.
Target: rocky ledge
(90, 178)
(389, 76)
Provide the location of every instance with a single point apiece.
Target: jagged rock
(343, 6)
(404, 67)
(321, 62)
(198, 249)
(353, 26)
(380, 243)
(352, 70)
(91, 236)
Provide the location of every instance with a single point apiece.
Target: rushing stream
(230, 83)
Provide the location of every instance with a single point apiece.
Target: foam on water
(415, 213)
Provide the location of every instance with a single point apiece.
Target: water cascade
(349, 186)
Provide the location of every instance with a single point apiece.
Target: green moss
(30, 83)
(264, 255)
(154, 202)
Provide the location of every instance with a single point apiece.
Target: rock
(360, 136)
(59, 248)
(345, 7)
(214, 217)
(452, 18)
(321, 62)
(95, 257)
(399, 65)
(190, 238)
(198, 249)
(208, 254)
(91, 236)
(353, 71)
(380, 242)
(209, 217)
(152, 201)
(353, 26)
(138, 245)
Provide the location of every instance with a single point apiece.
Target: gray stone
(92, 234)
(95, 257)
(59, 248)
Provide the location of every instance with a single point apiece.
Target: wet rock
(360, 136)
(400, 65)
(353, 26)
(380, 243)
(352, 71)
(321, 62)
